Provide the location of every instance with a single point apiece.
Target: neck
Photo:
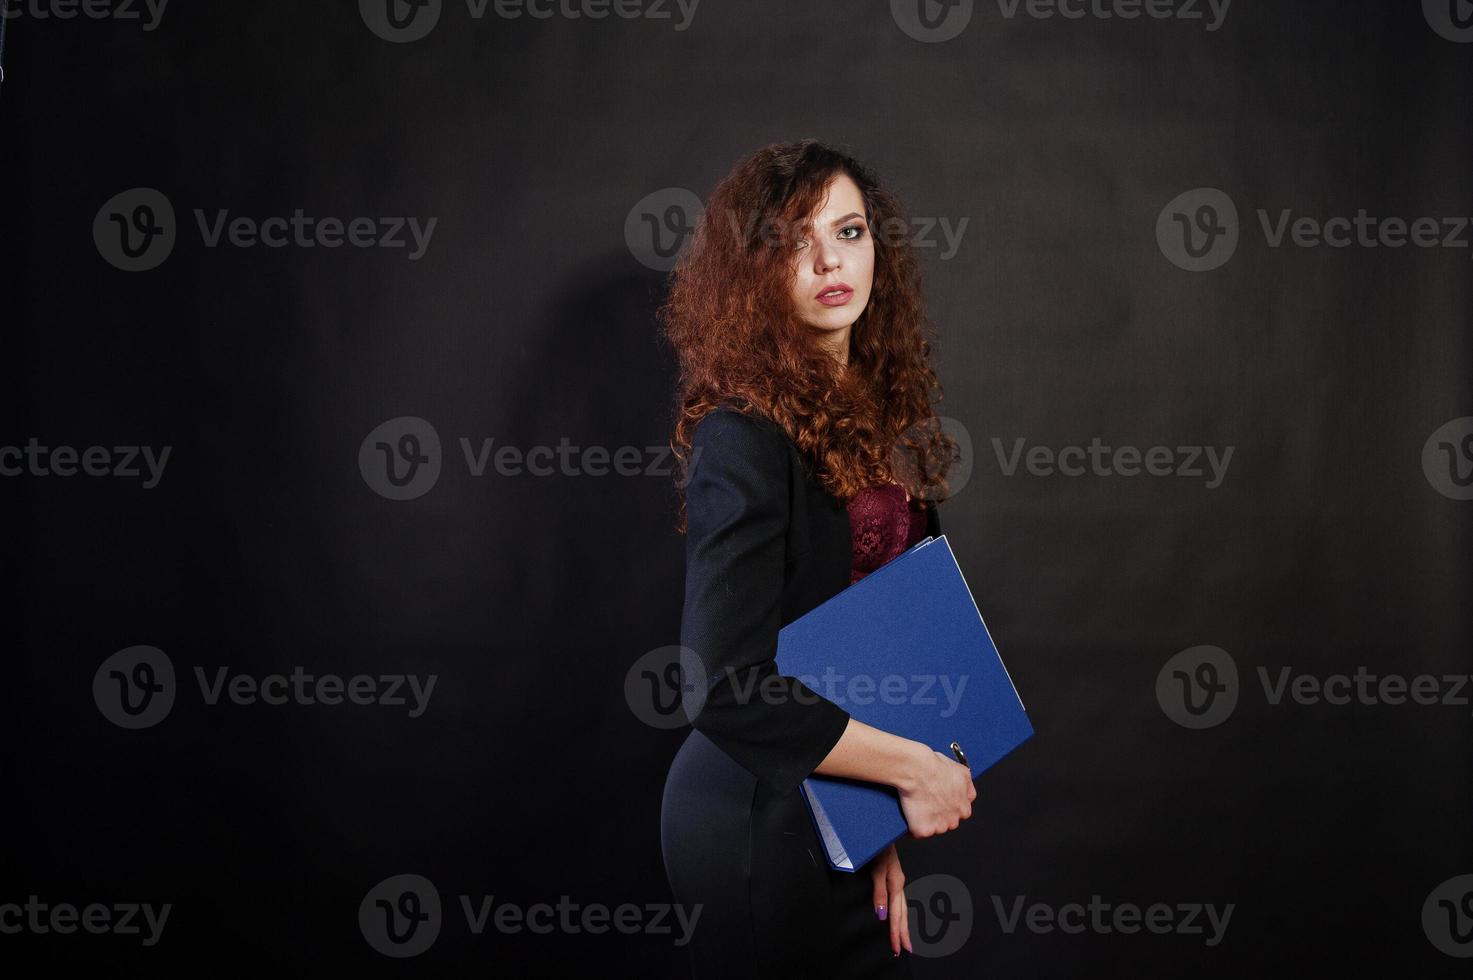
(837, 345)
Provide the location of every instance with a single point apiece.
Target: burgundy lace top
(884, 524)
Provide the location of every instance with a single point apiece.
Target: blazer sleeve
(737, 506)
(933, 520)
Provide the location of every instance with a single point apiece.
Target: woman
(806, 441)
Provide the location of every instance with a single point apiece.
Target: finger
(880, 895)
(902, 917)
(896, 940)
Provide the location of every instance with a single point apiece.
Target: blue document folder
(905, 650)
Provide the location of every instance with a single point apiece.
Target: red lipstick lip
(837, 300)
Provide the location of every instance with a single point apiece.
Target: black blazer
(765, 544)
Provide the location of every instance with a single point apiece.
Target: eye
(856, 228)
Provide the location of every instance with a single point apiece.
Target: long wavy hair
(739, 341)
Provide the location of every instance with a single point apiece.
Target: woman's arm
(866, 752)
(736, 553)
(936, 793)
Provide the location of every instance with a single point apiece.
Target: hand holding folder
(905, 650)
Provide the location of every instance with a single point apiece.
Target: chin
(835, 319)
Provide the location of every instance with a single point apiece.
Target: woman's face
(835, 265)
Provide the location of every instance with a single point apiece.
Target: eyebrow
(851, 214)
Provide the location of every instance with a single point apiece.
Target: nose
(825, 259)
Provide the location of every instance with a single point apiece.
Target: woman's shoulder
(727, 422)
(733, 438)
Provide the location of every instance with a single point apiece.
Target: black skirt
(770, 905)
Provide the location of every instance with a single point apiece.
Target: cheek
(800, 285)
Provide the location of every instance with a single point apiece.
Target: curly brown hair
(739, 341)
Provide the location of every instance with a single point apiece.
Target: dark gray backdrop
(1336, 541)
